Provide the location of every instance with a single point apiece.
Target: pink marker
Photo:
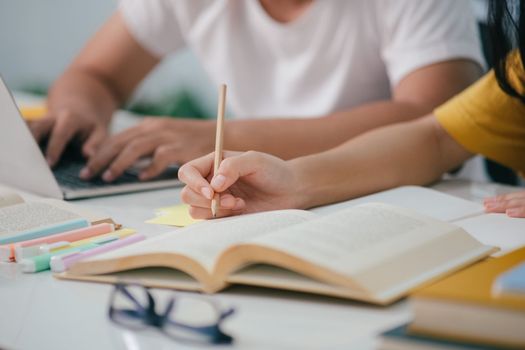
(60, 263)
(30, 248)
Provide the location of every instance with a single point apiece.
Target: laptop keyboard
(67, 170)
(67, 175)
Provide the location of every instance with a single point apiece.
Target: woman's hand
(247, 182)
(512, 204)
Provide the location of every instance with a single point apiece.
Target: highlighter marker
(27, 249)
(52, 247)
(42, 262)
(110, 236)
(60, 263)
(45, 231)
(6, 253)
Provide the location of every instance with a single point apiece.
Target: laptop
(22, 164)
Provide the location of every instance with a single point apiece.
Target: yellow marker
(177, 215)
(115, 235)
(31, 113)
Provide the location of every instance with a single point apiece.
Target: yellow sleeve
(485, 120)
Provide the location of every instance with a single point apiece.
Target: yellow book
(464, 307)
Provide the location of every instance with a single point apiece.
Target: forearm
(290, 138)
(413, 97)
(81, 91)
(103, 76)
(414, 153)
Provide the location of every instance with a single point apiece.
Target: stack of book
(481, 307)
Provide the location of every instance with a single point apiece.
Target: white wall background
(38, 38)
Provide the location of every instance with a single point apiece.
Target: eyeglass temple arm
(205, 329)
(151, 301)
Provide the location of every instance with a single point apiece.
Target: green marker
(42, 262)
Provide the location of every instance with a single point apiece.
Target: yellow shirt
(485, 120)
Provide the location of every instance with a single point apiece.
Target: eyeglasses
(185, 318)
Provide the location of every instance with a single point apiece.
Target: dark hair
(507, 32)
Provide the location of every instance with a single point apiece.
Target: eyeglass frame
(151, 318)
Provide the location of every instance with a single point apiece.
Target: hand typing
(165, 140)
(64, 125)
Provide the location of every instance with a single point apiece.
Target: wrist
(80, 112)
(305, 191)
(82, 107)
(83, 96)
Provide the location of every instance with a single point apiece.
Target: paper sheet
(177, 215)
(497, 230)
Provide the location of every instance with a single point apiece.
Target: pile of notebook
(50, 235)
(481, 307)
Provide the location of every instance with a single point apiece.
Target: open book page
(26, 216)
(275, 277)
(92, 216)
(204, 242)
(423, 200)
(8, 198)
(376, 245)
(497, 230)
(153, 277)
(343, 241)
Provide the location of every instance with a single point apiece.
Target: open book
(373, 252)
(18, 216)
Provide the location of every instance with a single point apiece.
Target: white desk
(40, 312)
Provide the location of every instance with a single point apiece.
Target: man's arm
(82, 101)
(179, 141)
(415, 95)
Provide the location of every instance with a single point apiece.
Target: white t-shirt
(338, 54)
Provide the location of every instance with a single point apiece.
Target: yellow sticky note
(33, 112)
(177, 215)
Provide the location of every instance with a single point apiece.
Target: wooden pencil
(218, 144)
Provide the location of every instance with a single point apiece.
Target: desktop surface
(39, 311)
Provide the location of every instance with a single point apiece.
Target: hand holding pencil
(240, 182)
(248, 182)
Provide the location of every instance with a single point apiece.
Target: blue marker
(44, 231)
